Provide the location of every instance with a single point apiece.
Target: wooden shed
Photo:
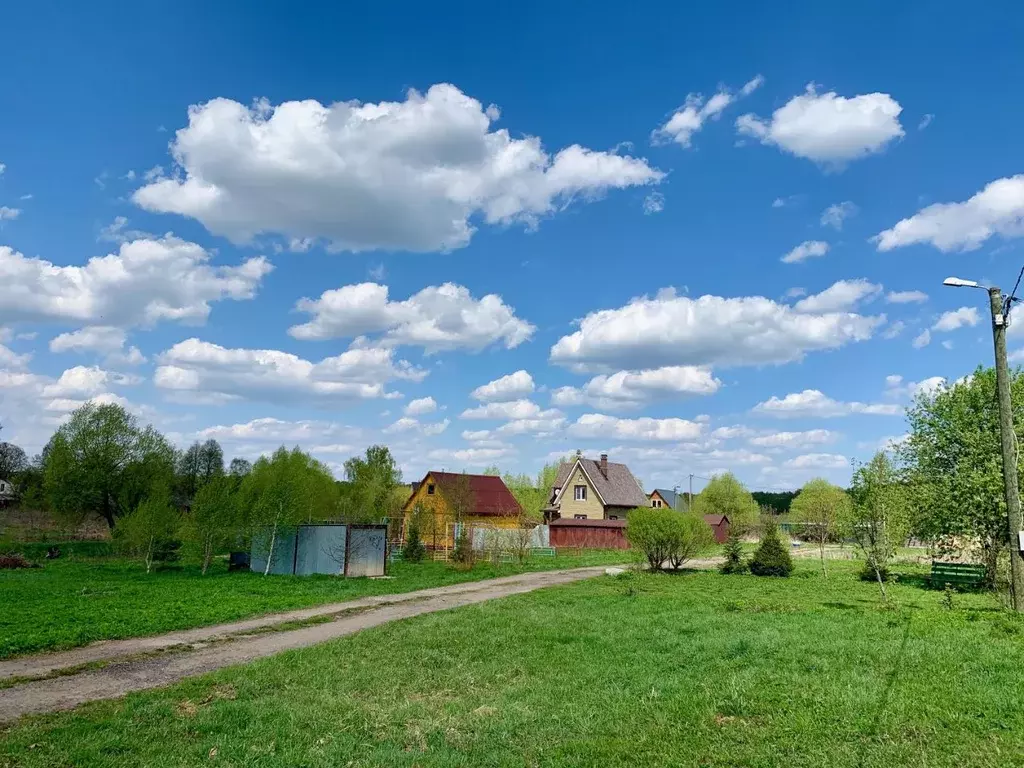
(720, 525)
(589, 534)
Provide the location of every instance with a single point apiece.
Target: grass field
(684, 670)
(72, 602)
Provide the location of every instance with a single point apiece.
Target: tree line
(161, 503)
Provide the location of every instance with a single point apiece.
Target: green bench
(543, 551)
(970, 574)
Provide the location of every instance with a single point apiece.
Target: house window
(580, 492)
(430, 490)
(579, 517)
(656, 503)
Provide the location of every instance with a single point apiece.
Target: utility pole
(1009, 445)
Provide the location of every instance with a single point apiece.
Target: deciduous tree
(13, 461)
(880, 517)
(213, 522)
(288, 488)
(953, 463)
(820, 506)
(725, 495)
(150, 530)
(102, 462)
(665, 535)
(374, 478)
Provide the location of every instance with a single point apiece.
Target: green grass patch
(694, 669)
(72, 602)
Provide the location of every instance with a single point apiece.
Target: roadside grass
(693, 669)
(73, 602)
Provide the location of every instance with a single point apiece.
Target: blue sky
(698, 239)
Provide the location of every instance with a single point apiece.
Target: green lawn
(72, 602)
(686, 670)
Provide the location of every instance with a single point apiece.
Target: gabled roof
(671, 497)
(490, 494)
(619, 489)
(715, 519)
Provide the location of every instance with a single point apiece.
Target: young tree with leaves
(101, 462)
(284, 490)
(213, 522)
(374, 478)
(820, 506)
(953, 463)
(725, 495)
(150, 531)
(880, 517)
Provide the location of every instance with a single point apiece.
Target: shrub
(771, 557)
(463, 554)
(414, 551)
(150, 531)
(734, 562)
(662, 535)
(693, 536)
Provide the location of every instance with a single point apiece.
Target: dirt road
(171, 657)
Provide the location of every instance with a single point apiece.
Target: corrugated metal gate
(331, 549)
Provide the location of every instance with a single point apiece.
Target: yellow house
(665, 499)
(447, 498)
(589, 489)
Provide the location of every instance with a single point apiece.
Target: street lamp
(1000, 316)
(959, 282)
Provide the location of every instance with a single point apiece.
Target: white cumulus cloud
(690, 118)
(205, 372)
(145, 282)
(421, 406)
(511, 387)
(957, 318)
(808, 249)
(442, 317)
(818, 461)
(406, 175)
(634, 389)
(814, 403)
(906, 297)
(597, 425)
(670, 330)
(841, 296)
(998, 209)
(509, 409)
(795, 440)
(827, 128)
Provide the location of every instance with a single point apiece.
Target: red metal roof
(714, 520)
(490, 494)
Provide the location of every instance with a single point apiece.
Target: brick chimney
(604, 465)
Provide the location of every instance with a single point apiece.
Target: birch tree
(820, 506)
(284, 490)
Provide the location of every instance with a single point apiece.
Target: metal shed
(331, 549)
(720, 525)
